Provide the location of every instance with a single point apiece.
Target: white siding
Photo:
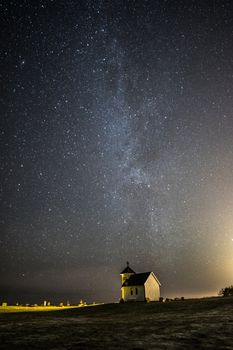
(152, 288)
(127, 296)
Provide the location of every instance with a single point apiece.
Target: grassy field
(15, 309)
(188, 324)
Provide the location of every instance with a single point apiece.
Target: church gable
(152, 288)
(156, 279)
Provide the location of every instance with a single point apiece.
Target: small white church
(139, 286)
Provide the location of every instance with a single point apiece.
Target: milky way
(116, 145)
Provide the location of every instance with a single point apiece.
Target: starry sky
(116, 144)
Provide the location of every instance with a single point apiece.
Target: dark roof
(138, 279)
(127, 270)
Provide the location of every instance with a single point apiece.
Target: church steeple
(126, 273)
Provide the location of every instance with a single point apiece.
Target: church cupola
(126, 273)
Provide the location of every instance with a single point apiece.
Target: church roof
(138, 279)
(127, 270)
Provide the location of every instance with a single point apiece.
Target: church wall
(127, 296)
(152, 289)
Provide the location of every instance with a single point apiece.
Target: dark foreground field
(190, 324)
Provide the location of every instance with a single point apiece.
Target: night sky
(116, 144)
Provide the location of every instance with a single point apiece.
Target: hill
(198, 323)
